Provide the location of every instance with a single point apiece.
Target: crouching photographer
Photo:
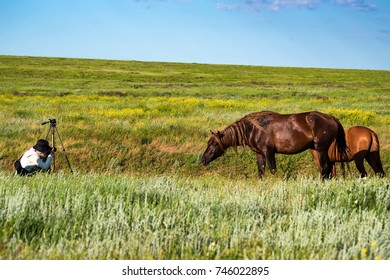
(37, 158)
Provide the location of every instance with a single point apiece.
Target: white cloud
(228, 7)
(363, 5)
(278, 5)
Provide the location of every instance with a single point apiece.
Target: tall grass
(121, 217)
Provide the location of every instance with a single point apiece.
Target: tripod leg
(63, 150)
(51, 129)
(53, 145)
(47, 134)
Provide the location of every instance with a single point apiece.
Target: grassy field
(121, 217)
(134, 132)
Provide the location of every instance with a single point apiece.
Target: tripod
(53, 129)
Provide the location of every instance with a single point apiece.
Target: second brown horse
(362, 144)
(268, 133)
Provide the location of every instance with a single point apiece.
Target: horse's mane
(236, 133)
(253, 118)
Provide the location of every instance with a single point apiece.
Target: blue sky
(307, 33)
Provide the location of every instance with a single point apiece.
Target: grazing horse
(267, 133)
(362, 144)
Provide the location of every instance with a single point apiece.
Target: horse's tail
(340, 143)
(375, 153)
(375, 142)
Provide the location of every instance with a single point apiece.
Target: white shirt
(31, 159)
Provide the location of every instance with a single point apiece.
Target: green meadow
(134, 133)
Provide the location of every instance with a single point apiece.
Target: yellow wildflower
(364, 252)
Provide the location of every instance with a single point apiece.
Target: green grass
(120, 217)
(134, 133)
(154, 118)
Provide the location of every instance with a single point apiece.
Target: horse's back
(294, 133)
(361, 138)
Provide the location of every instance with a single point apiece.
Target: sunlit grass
(119, 217)
(96, 124)
(134, 133)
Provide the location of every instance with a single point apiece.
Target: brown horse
(267, 133)
(362, 144)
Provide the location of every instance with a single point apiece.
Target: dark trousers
(19, 169)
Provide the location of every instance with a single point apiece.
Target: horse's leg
(342, 166)
(374, 161)
(315, 156)
(271, 161)
(324, 132)
(260, 164)
(325, 164)
(334, 170)
(360, 166)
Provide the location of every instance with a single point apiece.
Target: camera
(52, 122)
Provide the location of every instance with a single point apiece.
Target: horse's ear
(212, 132)
(219, 134)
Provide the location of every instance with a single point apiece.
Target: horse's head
(214, 150)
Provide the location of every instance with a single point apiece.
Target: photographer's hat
(42, 146)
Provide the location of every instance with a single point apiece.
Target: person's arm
(45, 164)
